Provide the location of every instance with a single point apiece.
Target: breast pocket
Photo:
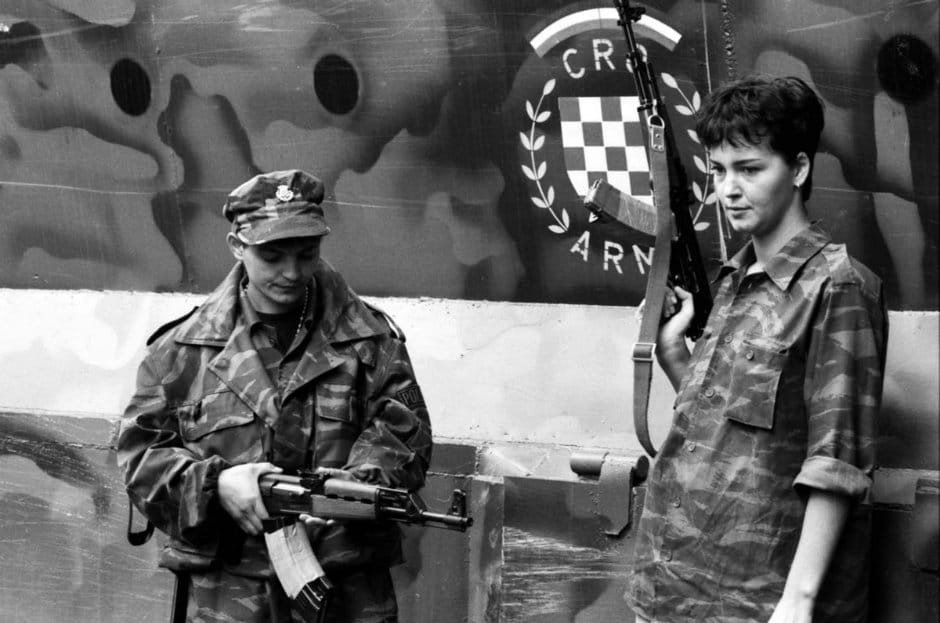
(755, 377)
(221, 425)
(338, 413)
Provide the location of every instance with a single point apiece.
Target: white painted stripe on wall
(491, 372)
(603, 18)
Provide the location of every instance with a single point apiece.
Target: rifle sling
(180, 597)
(655, 286)
(138, 537)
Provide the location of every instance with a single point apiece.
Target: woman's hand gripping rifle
(676, 256)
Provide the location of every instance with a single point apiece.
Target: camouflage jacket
(347, 397)
(780, 396)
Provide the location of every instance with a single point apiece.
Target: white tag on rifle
(292, 558)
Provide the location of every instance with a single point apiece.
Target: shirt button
(749, 354)
(690, 446)
(710, 392)
(727, 339)
(677, 502)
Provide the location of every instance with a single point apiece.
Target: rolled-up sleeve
(844, 375)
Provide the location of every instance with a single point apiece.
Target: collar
(784, 265)
(250, 315)
(340, 314)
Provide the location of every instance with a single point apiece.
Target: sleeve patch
(411, 397)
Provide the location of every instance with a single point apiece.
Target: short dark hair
(784, 111)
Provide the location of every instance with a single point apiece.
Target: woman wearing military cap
(282, 368)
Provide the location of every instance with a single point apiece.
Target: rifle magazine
(298, 570)
(314, 599)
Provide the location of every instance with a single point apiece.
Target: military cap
(277, 205)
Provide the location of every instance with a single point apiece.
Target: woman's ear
(800, 169)
(236, 246)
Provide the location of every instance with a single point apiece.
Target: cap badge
(284, 193)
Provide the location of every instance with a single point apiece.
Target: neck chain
(303, 313)
(300, 319)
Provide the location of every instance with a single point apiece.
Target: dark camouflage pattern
(279, 204)
(365, 596)
(781, 395)
(206, 399)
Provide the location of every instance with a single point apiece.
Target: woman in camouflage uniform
(756, 507)
(282, 368)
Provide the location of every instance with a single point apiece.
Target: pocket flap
(334, 406)
(755, 376)
(196, 422)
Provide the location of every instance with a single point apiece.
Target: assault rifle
(287, 497)
(669, 181)
(676, 255)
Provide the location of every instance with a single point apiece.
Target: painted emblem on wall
(583, 124)
(602, 139)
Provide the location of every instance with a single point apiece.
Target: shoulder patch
(169, 325)
(395, 330)
(411, 397)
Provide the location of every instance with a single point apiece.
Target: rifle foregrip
(349, 509)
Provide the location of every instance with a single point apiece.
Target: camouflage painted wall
(437, 125)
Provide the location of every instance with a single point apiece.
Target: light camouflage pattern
(204, 402)
(781, 395)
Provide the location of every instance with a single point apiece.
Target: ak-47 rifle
(287, 497)
(676, 256)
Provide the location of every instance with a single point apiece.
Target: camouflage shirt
(209, 395)
(781, 395)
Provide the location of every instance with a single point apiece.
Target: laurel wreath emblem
(702, 192)
(535, 171)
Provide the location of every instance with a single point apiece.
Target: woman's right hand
(672, 352)
(240, 495)
(678, 313)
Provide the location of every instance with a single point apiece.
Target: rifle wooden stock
(686, 268)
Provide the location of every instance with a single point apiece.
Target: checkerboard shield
(602, 138)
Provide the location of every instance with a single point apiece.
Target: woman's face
(278, 271)
(758, 188)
